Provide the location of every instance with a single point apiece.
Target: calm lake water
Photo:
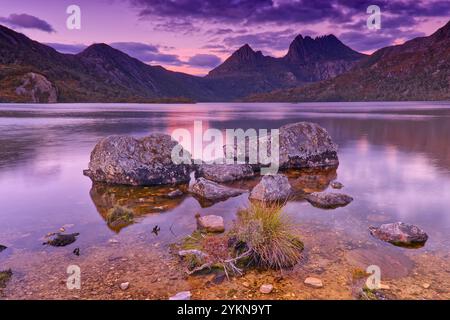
(394, 161)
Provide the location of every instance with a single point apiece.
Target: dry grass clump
(268, 234)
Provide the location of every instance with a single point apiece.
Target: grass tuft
(269, 234)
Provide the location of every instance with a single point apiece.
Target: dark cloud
(204, 61)
(27, 21)
(369, 41)
(146, 52)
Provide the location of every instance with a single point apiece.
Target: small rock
(313, 282)
(336, 185)
(183, 295)
(76, 251)
(399, 233)
(272, 188)
(175, 193)
(211, 223)
(384, 286)
(124, 285)
(246, 284)
(2, 248)
(218, 279)
(266, 288)
(328, 200)
(113, 241)
(62, 240)
(426, 285)
(224, 172)
(213, 191)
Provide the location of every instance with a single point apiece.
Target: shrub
(268, 234)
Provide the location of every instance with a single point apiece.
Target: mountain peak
(327, 47)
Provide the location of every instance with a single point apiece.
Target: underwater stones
(2, 247)
(183, 295)
(61, 240)
(224, 172)
(266, 288)
(124, 286)
(313, 282)
(211, 223)
(328, 200)
(272, 188)
(131, 161)
(336, 185)
(175, 193)
(5, 276)
(213, 191)
(399, 233)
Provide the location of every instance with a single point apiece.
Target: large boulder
(224, 172)
(272, 188)
(328, 200)
(399, 233)
(306, 145)
(213, 191)
(301, 145)
(130, 161)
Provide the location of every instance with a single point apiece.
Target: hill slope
(419, 69)
(308, 60)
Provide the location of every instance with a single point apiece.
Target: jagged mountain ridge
(419, 69)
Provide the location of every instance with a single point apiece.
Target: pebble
(266, 288)
(313, 282)
(246, 284)
(113, 241)
(125, 285)
(426, 285)
(183, 295)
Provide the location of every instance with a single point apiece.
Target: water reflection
(140, 200)
(394, 160)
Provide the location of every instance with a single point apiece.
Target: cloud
(27, 21)
(67, 48)
(204, 60)
(146, 52)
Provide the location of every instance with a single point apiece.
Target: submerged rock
(272, 188)
(130, 161)
(124, 286)
(336, 185)
(224, 172)
(313, 282)
(399, 233)
(328, 200)
(61, 240)
(213, 191)
(211, 223)
(175, 193)
(266, 288)
(2, 247)
(183, 295)
(306, 145)
(5, 276)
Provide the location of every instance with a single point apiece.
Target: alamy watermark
(236, 146)
(74, 19)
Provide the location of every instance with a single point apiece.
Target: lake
(394, 161)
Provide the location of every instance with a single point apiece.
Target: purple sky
(195, 35)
